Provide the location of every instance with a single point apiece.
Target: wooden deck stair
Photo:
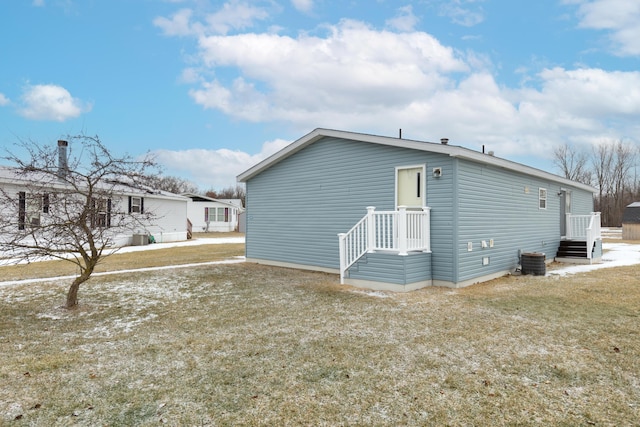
(572, 249)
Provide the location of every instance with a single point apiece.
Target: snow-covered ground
(192, 242)
(615, 255)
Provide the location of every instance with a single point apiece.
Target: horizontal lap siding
(494, 204)
(297, 207)
(440, 199)
(393, 268)
(581, 202)
(417, 267)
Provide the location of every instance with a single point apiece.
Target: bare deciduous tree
(572, 163)
(172, 184)
(237, 192)
(624, 160)
(602, 161)
(608, 167)
(70, 203)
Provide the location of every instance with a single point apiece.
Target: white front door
(410, 186)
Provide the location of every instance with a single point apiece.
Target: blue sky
(212, 87)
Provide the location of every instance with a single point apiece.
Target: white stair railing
(577, 226)
(593, 233)
(398, 231)
(586, 228)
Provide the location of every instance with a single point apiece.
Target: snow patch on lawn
(377, 294)
(615, 255)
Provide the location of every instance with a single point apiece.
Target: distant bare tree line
(611, 168)
(179, 185)
(233, 192)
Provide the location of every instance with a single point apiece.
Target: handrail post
(371, 229)
(426, 228)
(598, 225)
(593, 232)
(402, 230)
(343, 261)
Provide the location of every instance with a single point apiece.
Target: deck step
(572, 249)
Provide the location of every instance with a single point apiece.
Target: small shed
(631, 222)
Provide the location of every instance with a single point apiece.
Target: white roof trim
(8, 176)
(211, 199)
(451, 150)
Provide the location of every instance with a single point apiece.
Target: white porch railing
(398, 231)
(584, 227)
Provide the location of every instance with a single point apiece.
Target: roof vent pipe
(444, 141)
(63, 166)
(400, 133)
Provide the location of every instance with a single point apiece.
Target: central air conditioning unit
(140, 240)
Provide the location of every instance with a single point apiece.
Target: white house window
(29, 209)
(45, 203)
(217, 215)
(136, 204)
(542, 198)
(101, 213)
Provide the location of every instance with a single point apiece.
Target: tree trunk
(72, 294)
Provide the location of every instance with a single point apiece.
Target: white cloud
(51, 102)
(4, 100)
(233, 15)
(38, 3)
(214, 168)
(304, 6)
(359, 78)
(619, 17)
(354, 70)
(178, 25)
(404, 21)
(462, 12)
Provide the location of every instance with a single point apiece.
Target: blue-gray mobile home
(398, 214)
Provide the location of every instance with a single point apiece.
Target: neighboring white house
(213, 215)
(169, 211)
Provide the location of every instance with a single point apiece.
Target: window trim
(542, 198)
(30, 209)
(101, 213)
(46, 203)
(136, 208)
(22, 210)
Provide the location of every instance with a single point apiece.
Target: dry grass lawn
(124, 261)
(245, 344)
